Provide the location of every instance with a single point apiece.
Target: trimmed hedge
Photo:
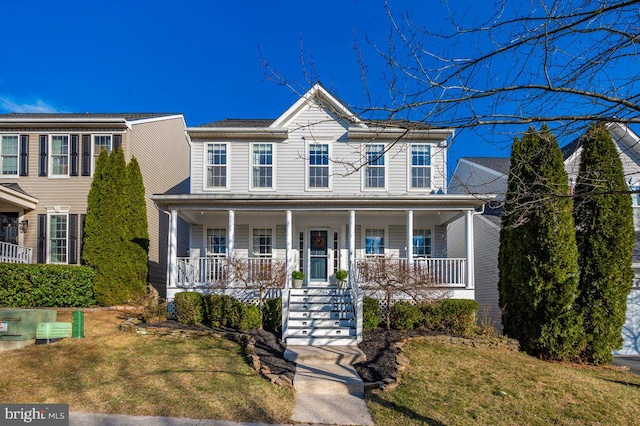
(272, 315)
(371, 313)
(30, 286)
(189, 308)
(215, 310)
(454, 316)
(405, 315)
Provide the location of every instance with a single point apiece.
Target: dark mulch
(270, 349)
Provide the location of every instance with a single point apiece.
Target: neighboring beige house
(484, 175)
(46, 168)
(319, 189)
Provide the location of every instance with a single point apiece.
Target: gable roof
(497, 164)
(239, 123)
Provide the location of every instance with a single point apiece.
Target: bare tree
(393, 277)
(259, 275)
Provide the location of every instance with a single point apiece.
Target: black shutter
(86, 155)
(24, 155)
(74, 155)
(73, 240)
(117, 142)
(42, 238)
(81, 239)
(43, 155)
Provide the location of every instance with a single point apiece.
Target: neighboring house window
(420, 166)
(635, 202)
(217, 165)
(216, 241)
(100, 142)
(318, 166)
(9, 154)
(59, 155)
(374, 171)
(58, 229)
(262, 242)
(422, 242)
(374, 242)
(262, 162)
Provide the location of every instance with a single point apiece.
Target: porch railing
(209, 270)
(13, 253)
(443, 272)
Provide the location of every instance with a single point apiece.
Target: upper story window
(9, 155)
(262, 242)
(262, 165)
(635, 202)
(217, 165)
(420, 166)
(374, 242)
(422, 242)
(59, 155)
(216, 241)
(58, 232)
(319, 166)
(375, 169)
(101, 142)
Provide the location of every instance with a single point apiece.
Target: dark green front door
(318, 255)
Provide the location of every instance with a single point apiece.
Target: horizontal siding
(487, 243)
(469, 179)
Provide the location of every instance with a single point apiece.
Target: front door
(318, 255)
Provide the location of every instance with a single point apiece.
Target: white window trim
(205, 163)
(307, 168)
(206, 243)
(50, 156)
(410, 188)
(433, 240)
(94, 155)
(273, 241)
(48, 256)
(17, 175)
(364, 240)
(274, 168)
(363, 172)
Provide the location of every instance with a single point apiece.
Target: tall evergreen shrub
(605, 235)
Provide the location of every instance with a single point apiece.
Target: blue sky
(201, 58)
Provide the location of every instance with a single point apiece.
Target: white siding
(631, 328)
(469, 179)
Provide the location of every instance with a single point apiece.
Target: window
(422, 242)
(262, 162)
(59, 155)
(318, 166)
(58, 238)
(217, 165)
(374, 242)
(635, 202)
(374, 172)
(216, 241)
(100, 142)
(420, 166)
(262, 242)
(9, 155)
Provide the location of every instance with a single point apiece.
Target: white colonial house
(319, 189)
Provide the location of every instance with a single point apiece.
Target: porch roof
(14, 194)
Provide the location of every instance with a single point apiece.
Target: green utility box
(53, 330)
(78, 325)
(21, 324)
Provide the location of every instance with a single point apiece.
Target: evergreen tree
(605, 235)
(137, 223)
(538, 254)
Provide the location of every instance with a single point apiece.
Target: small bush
(31, 286)
(250, 317)
(189, 308)
(405, 315)
(459, 316)
(432, 316)
(232, 313)
(152, 308)
(272, 315)
(214, 308)
(371, 313)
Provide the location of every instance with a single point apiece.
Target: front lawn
(459, 385)
(111, 371)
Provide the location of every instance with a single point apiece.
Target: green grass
(459, 385)
(111, 371)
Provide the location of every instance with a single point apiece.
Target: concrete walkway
(328, 388)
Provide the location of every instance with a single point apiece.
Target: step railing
(13, 253)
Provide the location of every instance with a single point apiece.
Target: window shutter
(24, 155)
(74, 155)
(42, 238)
(81, 239)
(73, 239)
(86, 155)
(117, 142)
(43, 154)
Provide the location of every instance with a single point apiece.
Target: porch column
(410, 238)
(289, 251)
(231, 242)
(352, 245)
(173, 249)
(470, 279)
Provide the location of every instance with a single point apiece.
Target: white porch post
(470, 281)
(352, 246)
(410, 238)
(231, 242)
(289, 251)
(173, 249)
